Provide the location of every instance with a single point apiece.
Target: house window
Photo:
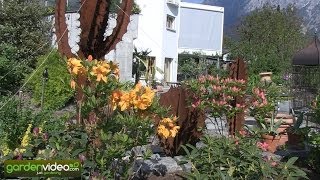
(170, 22)
(167, 69)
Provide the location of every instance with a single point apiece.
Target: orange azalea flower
(167, 128)
(100, 71)
(174, 131)
(124, 102)
(137, 87)
(75, 66)
(133, 95)
(163, 131)
(141, 104)
(115, 97)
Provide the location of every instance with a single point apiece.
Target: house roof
(309, 55)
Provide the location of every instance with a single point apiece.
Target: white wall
(171, 39)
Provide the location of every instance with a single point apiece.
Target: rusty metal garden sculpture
(237, 70)
(94, 16)
(190, 120)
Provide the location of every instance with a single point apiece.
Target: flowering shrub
(138, 98)
(238, 158)
(217, 95)
(109, 122)
(261, 107)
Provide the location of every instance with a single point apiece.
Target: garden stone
(153, 140)
(156, 149)
(155, 157)
(210, 126)
(186, 167)
(171, 164)
(165, 165)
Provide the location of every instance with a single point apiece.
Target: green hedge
(57, 89)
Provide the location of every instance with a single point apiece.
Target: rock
(162, 166)
(156, 149)
(154, 140)
(171, 164)
(155, 157)
(211, 126)
(140, 151)
(186, 167)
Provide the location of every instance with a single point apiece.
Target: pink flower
(241, 81)
(203, 90)
(237, 142)
(255, 103)
(210, 78)
(19, 157)
(36, 131)
(274, 163)
(221, 103)
(263, 146)
(202, 79)
(216, 88)
(45, 136)
(234, 89)
(196, 103)
(243, 133)
(82, 158)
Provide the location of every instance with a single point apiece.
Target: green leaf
(76, 152)
(291, 161)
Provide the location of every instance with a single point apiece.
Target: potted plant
(270, 132)
(297, 135)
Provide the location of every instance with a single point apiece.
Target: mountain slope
(309, 10)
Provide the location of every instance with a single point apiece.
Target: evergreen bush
(57, 91)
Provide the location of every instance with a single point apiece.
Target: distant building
(169, 27)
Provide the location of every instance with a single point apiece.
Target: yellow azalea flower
(75, 66)
(115, 98)
(133, 94)
(163, 131)
(26, 138)
(174, 131)
(73, 84)
(124, 102)
(100, 71)
(166, 120)
(137, 87)
(141, 104)
(167, 128)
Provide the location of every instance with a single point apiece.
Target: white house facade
(169, 27)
